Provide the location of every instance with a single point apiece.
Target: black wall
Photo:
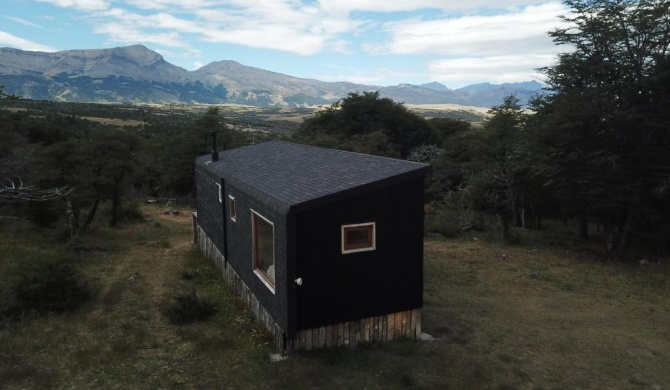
(239, 247)
(210, 210)
(342, 287)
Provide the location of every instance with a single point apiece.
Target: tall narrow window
(358, 237)
(232, 210)
(263, 249)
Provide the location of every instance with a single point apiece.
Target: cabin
(324, 246)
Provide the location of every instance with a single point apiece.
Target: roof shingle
(290, 174)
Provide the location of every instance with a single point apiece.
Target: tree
(606, 124)
(448, 156)
(367, 123)
(176, 163)
(94, 168)
(213, 121)
(16, 155)
(496, 185)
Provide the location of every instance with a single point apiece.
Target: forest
(590, 150)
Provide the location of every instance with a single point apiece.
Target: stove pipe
(215, 153)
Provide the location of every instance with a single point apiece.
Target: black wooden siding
(342, 287)
(240, 252)
(210, 210)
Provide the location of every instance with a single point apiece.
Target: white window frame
(261, 274)
(232, 208)
(373, 243)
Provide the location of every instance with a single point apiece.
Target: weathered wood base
(240, 289)
(405, 324)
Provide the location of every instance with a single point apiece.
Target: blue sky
(376, 42)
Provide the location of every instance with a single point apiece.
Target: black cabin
(325, 246)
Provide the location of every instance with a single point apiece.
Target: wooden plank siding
(351, 334)
(404, 324)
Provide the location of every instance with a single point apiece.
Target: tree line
(63, 168)
(591, 148)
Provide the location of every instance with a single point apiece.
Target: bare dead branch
(15, 190)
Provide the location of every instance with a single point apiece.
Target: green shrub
(51, 288)
(187, 307)
(442, 221)
(130, 212)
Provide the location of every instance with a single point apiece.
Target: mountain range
(136, 74)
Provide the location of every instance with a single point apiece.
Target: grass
(503, 317)
(547, 319)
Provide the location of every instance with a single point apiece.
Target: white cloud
(125, 27)
(284, 25)
(504, 47)
(306, 28)
(280, 25)
(412, 5)
(523, 30)
(502, 63)
(160, 20)
(124, 34)
(268, 37)
(7, 39)
(496, 69)
(169, 4)
(279, 31)
(84, 5)
(377, 76)
(22, 21)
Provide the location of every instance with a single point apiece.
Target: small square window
(358, 238)
(232, 211)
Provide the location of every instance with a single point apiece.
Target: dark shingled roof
(287, 174)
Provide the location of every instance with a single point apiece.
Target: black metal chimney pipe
(215, 153)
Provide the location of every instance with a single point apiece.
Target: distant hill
(135, 74)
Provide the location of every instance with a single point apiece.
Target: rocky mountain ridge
(135, 74)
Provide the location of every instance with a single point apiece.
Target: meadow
(501, 317)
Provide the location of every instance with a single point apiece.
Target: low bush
(50, 287)
(53, 287)
(442, 221)
(187, 307)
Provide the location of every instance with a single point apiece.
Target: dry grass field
(449, 107)
(502, 317)
(115, 122)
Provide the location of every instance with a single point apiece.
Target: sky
(374, 42)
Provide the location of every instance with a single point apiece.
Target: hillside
(136, 74)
